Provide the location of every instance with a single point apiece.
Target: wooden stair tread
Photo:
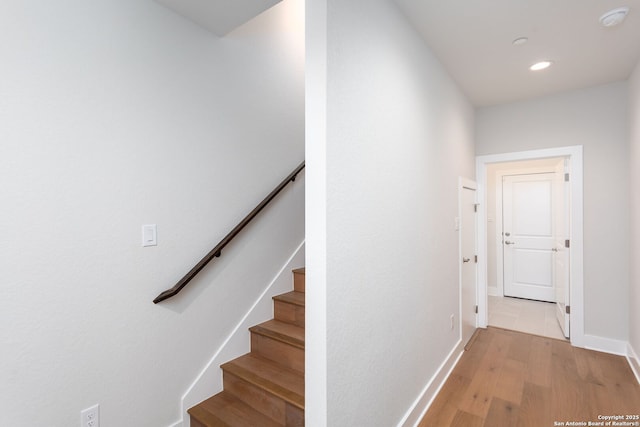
(278, 380)
(281, 331)
(224, 410)
(293, 297)
(264, 388)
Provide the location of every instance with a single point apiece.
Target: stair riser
(196, 423)
(298, 282)
(284, 354)
(289, 313)
(261, 400)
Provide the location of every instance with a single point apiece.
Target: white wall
(116, 114)
(634, 299)
(597, 119)
(398, 135)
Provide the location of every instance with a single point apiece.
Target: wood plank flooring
(512, 379)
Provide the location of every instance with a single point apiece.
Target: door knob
(506, 242)
(466, 259)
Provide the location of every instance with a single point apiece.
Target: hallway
(508, 378)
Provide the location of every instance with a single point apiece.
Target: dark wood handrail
(217, 250)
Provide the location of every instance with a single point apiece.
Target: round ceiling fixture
(614, 17)
(541, 65)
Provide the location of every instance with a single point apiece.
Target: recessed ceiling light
(614, 17)
(520, 41)
(540, 65)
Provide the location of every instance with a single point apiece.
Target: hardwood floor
(513, 379)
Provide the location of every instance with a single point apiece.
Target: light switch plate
(149, 235)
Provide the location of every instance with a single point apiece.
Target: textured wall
(634, 300)
(597, 119)
(398, 135)
(115, 114)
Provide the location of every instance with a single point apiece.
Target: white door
(561, 252)
(528, 236)
(468, 260)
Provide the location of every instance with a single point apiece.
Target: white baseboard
(606, 345)
(430, 391)
(621, 348)
(238, 342)
(634, 361)
(493, 291)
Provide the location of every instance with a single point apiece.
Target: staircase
(265, 387)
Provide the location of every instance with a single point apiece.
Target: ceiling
(219, 16)
(473, 40)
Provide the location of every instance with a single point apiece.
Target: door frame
(576, 278)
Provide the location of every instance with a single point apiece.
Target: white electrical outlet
(90, 417)
(453, 318)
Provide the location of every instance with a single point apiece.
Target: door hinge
(567, 309)
(566, 177)
(476, 309)
(475, 207)
(567, 243)
(475, 258)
